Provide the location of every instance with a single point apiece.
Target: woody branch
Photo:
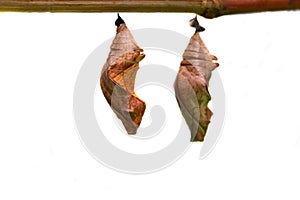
(205, 8)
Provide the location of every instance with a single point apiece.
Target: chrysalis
(191, 84)
(118, 78)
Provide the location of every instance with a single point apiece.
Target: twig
(206, 8)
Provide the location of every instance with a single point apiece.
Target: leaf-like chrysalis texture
(118, 78)
(191, 86)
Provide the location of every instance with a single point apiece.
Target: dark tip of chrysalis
(119, 21)
(194, 23)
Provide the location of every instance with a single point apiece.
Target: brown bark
(206, 8)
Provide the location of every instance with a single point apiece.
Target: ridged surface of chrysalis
(191, 86)
(118, 78)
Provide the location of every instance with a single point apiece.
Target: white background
(257, 157)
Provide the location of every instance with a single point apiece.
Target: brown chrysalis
(118, 78)
(191, 84)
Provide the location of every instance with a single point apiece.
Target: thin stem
(206, 8)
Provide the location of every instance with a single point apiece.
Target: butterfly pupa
(191, 84)
(118, 78)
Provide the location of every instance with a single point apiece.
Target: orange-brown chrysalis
(191, 84)
(118, 78)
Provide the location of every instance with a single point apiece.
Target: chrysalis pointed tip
(119, 21)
